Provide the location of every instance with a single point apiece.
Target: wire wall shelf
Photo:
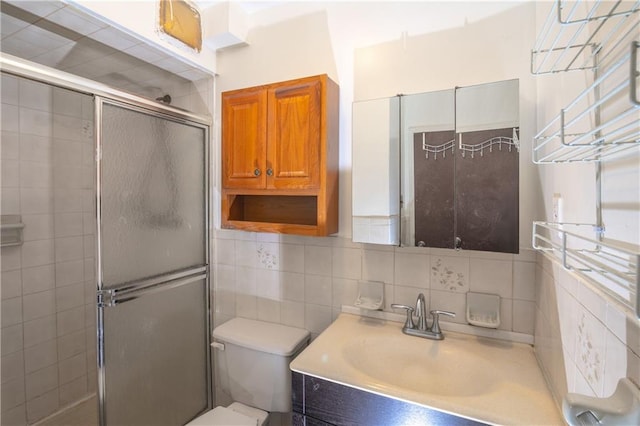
(575, 32)
(592, 128)
(613, 268)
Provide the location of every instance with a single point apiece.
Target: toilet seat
(222, 416)
(236, 414)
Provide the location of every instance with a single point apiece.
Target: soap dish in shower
(483, 310)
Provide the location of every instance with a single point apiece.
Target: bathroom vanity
(365, 371)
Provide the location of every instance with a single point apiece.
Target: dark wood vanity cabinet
(318, 402)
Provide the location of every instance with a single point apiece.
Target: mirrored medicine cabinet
(438, 169)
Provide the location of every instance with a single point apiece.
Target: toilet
(253, 366)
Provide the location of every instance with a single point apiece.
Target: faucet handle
(409, 322)
(435, 326)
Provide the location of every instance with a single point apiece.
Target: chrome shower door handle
(409, 321)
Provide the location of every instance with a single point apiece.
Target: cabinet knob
(269, 172)
(256, 172)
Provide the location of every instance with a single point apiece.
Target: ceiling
(56, 35)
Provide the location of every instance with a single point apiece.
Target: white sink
(489, 380)
(426, 366)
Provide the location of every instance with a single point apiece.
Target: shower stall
(105, 256)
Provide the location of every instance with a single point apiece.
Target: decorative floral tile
(450, 274)
(590, 350)
(267, 257)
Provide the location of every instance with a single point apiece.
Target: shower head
(164, 99)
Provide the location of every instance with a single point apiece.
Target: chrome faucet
(421, 312)
(421, 330)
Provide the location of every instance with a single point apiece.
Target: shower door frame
(103, 93)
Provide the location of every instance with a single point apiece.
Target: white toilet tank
(254, 364)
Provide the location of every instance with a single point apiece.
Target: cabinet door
(244, 120)
(294, 135)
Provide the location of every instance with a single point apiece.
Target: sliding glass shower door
(153, 268)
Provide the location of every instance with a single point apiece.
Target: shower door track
(27, 69)
(103, 93)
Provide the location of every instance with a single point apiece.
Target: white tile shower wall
(585, 342)
(48, 289)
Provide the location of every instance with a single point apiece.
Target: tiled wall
(48, 285)
(48, 289)
(304, 281)
(585, 342)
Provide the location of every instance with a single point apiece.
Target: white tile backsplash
(318, 260)
(293, 286)
(317, 318)
(318, 290)
(291, 258)
(318, 275)
(524, 273)
(412, 270)
(491, 276)
(377, 265)
(347, 263)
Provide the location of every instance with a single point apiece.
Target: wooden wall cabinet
(280, 157)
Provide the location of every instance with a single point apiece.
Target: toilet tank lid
(262, 336)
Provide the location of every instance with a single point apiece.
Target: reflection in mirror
(428, 123)
(460, 168)
(375, 167)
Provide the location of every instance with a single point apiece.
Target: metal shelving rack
(599, 123)
(613, 266)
